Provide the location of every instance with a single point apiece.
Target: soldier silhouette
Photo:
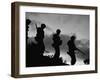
(29, 56)
(56, 43)
(39, 38)
(28, 21)
(72, 47)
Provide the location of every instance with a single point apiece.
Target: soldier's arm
(75, 47)
(36, 25)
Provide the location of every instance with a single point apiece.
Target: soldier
(39, 38)
(72, 47)
(56, 43)
(28, 46)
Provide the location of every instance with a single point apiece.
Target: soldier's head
(28, 21)
(73, 37)
(43, 26)
(58, 31)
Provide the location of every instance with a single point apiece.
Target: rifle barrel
(81, 51)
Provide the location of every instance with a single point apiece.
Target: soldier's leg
(73, 59)
(57, 52)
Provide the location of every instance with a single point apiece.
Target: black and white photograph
(51, 39)
(57, 39)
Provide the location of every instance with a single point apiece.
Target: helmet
(43, 26)
(58, 30)
(73, 37)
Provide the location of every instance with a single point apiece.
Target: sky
(68, 23)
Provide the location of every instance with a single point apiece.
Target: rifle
(81, 51)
